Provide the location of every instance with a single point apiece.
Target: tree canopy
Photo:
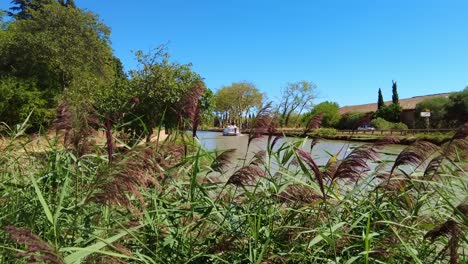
(329, 112)
(235, 102)
(56, 48)
(380, 100)
(295, 97)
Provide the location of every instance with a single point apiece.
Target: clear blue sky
(348, 48)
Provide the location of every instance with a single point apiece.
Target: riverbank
(437, 138)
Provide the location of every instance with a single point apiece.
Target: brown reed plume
(313, 123)
(78, 125)
(356, 163)
(414, 154)
(246, 175)
(315, 169)
(222, 161)
(37, 250)
(258, 158)
(138, 169)
(275, 140)
(458, 145)
(433, 167)
(298, 194)
(451, 229)
(190, 105)
(261, 124)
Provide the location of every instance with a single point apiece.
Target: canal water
(321, 151)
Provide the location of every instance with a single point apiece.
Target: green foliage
(457, 108)
(296, 97)
(380, 101)
(324, 132)
(235, 102)
(350, 120)
(57, 48)
(438, 108)
(395, 98)
(154, 206)
(390, 113)
(22, 9)
(382, 124)
(330, 111)
(20, 98)
(160, 86)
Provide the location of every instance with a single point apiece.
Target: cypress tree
(380, 102)
(395, 99)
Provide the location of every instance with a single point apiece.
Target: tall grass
(163, 204)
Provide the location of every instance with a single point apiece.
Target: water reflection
(320, 153)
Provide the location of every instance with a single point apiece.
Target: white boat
(231, 131)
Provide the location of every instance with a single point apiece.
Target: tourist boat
(231, 131)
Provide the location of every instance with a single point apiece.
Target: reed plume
(222, 161)
(141, 168)
(451, 229)
(313, 123)
(262, 123)
(246, 175)
(356, 163)
(313, 166)
(298, 193)
(78, 125)
(414, 154)
(37, 250)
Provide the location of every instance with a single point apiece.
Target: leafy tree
(391, 112)
(160, 86)
(234, 103)
(22, 8)
(395, 99)
(59, 48)
(380, 102)
(438, 108)
(382, 124)
(207, 107)
(329, 111)
(457, 108)
(296, 97)
(351, 120)
(20, 98)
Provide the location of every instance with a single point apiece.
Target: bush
(382, 124)
(400, 126)
(350, 120)
(324, 132)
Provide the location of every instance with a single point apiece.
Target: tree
(234, 103)
(380, 102)
(438, 108)
(351, 120)
(395, 99)
(390, 112)
(160, 86)
(58, 48)
(22, 8)
(296, 97)
(329, 111)
(457, 108)
(21, 98)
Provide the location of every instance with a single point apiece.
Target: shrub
(382, 124)
(325, 132)
(350, 120)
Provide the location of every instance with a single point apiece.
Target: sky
(348, 48)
